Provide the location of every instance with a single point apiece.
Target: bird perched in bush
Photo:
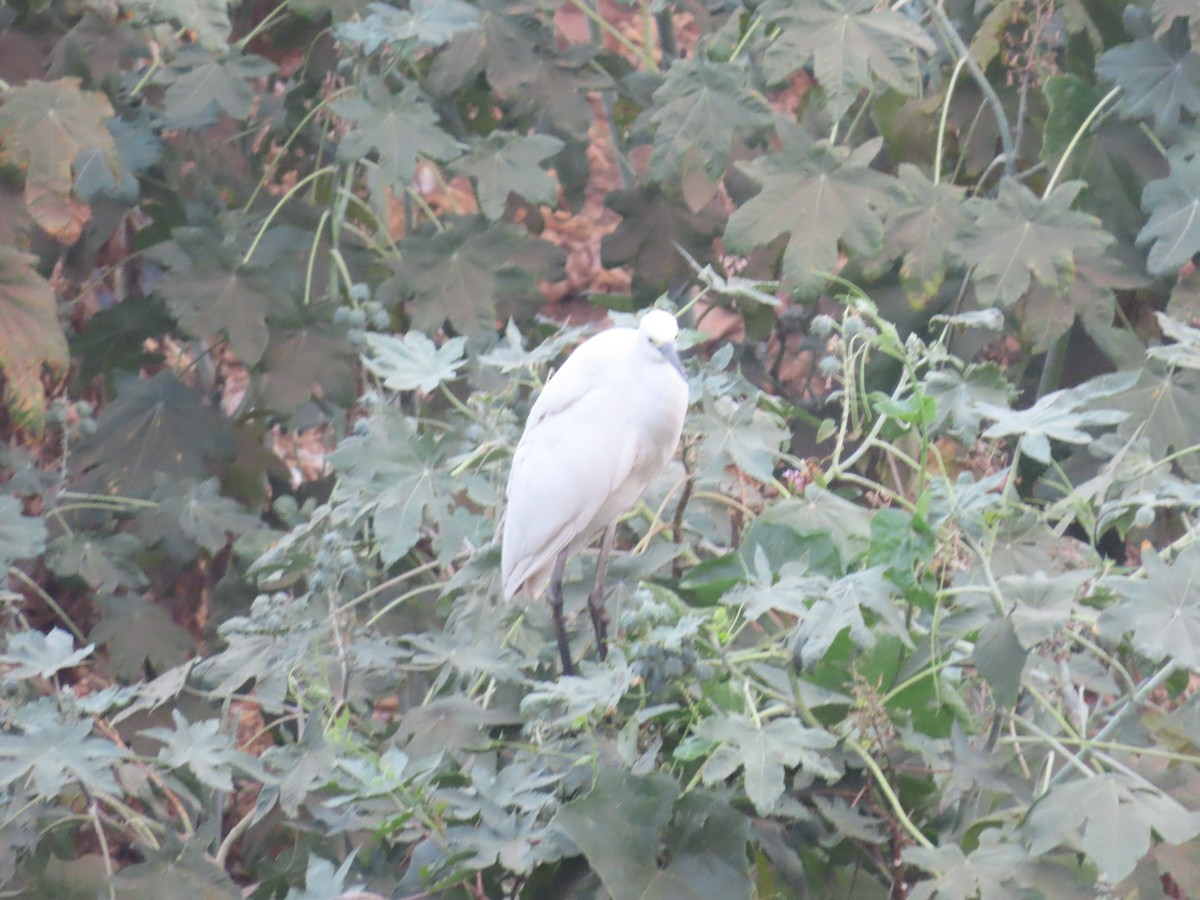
(605, 426)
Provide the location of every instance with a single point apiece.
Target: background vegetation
(916, 613)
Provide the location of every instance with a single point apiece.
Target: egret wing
(565, 470)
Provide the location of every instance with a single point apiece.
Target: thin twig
(1145, 689)
(240, 828)
(50, 602)
(950, 34)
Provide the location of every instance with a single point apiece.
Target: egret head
(661, 329)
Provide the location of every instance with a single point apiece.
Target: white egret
(606, 424)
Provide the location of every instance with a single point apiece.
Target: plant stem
(311, 176)
(1076, 138)
(643, 54)
(885, 788)
(950, 34)
(50, 602)
(1145, 689)
(941, 138)
(263, 24)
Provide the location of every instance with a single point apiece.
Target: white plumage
(606, 424)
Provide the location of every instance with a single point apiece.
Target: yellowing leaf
(44, 126)
(30, 337)
(1020, 236)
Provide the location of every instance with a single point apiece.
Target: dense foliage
(916, 612)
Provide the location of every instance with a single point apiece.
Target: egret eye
(606, 425)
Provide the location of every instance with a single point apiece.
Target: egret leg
(596, 597)
(556, 610)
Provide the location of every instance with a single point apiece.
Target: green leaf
(1165, 12)
(266, 647)
(574, 697)
(1060, 416)
(915, 409)
(506, 163)
(653, 226)
(301, 767)
(155, 425)
(99, 44)
(902, 543)
(192, 515)
(518, 53)
(1042, 604)
(450, 724)
(741, 434)
(1185, 298)
(455, 274)
(999, 659)
(1164, 407)
(920, 229)
(510, 354)
(201, 86)
(833, 197)
(734, 286)
(763, 751)
(986, 872)
(30, 339)
(395, 474)
(21, 536)
(1111, 818)
(103, 561)
(210, 292)
(851, 43)
(397, 128)
(115, 338)
(1071, 100)
(823, 512)
(44, 126)
(1019, 236)
(204, 749)
(1047, 313)
(1185, 352)
(1158, 78)
(961, 397)
(840, 608)
(208, 20)
(137, 631)
(185, 871)
(647, 843)
(513, 47)
(427, 23)
(55, 754)
(468, 654)
(698, 111)
(1173, 204)
(339, 10)
(314, 362)
(413, 362)
(322, 882)
(1161, 609)
(792, 593)
(35, 654)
